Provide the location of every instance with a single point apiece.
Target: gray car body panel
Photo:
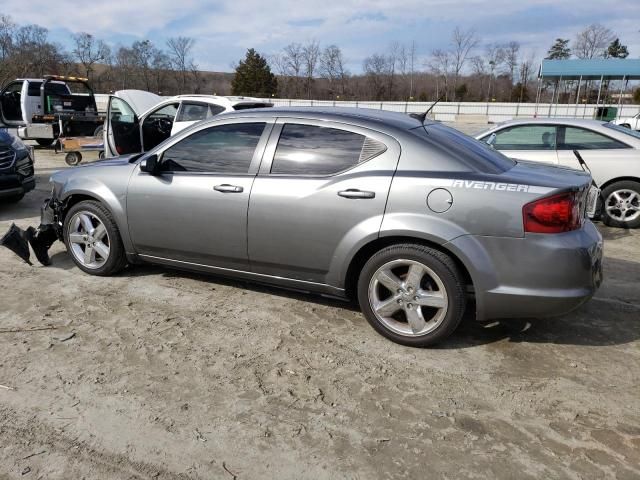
(296, 232)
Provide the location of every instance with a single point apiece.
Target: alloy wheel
(408, 297)
(623, 205)
(88, 240)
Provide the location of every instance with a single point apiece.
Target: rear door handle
(355, 193)
(226, 188)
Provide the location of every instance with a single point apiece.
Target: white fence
(491, 112)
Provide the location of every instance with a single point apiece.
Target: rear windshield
(476, 154)
(246, 106)
(53, 88)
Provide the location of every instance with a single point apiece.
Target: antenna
(422, 116)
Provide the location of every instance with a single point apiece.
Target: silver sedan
(611, 152)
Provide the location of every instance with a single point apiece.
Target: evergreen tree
(253, 77)
(617, 50)
(559, 50)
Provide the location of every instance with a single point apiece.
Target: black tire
(73, 158)
(626, 125)
(117, 259)
(98, 131)
(45, 142)
(442, 265)
(622, 186)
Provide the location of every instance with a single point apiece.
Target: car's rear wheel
(412, 294)
(93, 239)
(621, 204)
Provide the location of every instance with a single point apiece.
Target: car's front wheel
(412, 294)
(621, 204)
(93, 240)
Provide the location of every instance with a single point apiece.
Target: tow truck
(51, 108)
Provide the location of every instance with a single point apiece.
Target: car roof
(340, 114)
(595, 125)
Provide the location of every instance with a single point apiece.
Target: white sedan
(629, 122)
(611, 152)
(137, 121)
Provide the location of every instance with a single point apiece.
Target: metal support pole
(555, 113)
(575, 111)
(553, 95)
(620, 97)
(598, 100)
(538, 93)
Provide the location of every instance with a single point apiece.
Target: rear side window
(192, 112)
(526, 137)
(222, 149)
(312, 150)
(581, 139)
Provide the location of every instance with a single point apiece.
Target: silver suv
(411, 219)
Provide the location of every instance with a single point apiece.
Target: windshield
(625, 130)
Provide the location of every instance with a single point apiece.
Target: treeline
(467, 70)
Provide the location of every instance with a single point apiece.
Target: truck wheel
(621, 204)
(73, 158)
(412, 294)
(45, 142)
(14, 198)
(98, 131)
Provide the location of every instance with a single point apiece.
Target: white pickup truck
(43, 109)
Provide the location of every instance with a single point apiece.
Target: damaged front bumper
(41, 238)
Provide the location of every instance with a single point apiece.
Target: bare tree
(332, 68)
(180, 55)
(441, 64)
(377, 69)
(593, 41)
(88, 51)
(310, 57)
(463, 42)
(495, 57)
(293, 63)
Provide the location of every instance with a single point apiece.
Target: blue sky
(224, 29)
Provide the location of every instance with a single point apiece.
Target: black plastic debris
(41, 241)
(16, 240)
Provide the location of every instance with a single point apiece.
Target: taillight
(555, 214)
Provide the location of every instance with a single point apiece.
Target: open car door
(11, 104)
(122, 133)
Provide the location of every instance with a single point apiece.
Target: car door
(605, 157)
(194, 209)
(533, 142)
(122, 129)
(322, 187)
(11, 104)
(191, 112)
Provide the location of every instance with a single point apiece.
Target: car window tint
(168, 112)
(581, 139)
(192, 112)
(526, 137)
(311, 150)
(221, 149)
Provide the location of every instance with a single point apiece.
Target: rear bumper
(535, 276)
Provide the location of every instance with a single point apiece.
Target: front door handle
(226, 188)
(355, 193)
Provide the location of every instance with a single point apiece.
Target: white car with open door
(629, 122)
(610, 152)
(137, 121)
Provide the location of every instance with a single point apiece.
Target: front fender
(115, 201)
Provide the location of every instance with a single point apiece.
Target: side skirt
(283, 282)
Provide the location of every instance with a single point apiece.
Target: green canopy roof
(609, 69)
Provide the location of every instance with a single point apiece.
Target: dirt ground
(168, 375)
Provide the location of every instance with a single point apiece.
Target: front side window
(312, 150)
(526, 137)
(156, 128)
(581, 139)
(221, 149)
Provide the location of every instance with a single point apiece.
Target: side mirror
(150, 165)
(491, 140)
